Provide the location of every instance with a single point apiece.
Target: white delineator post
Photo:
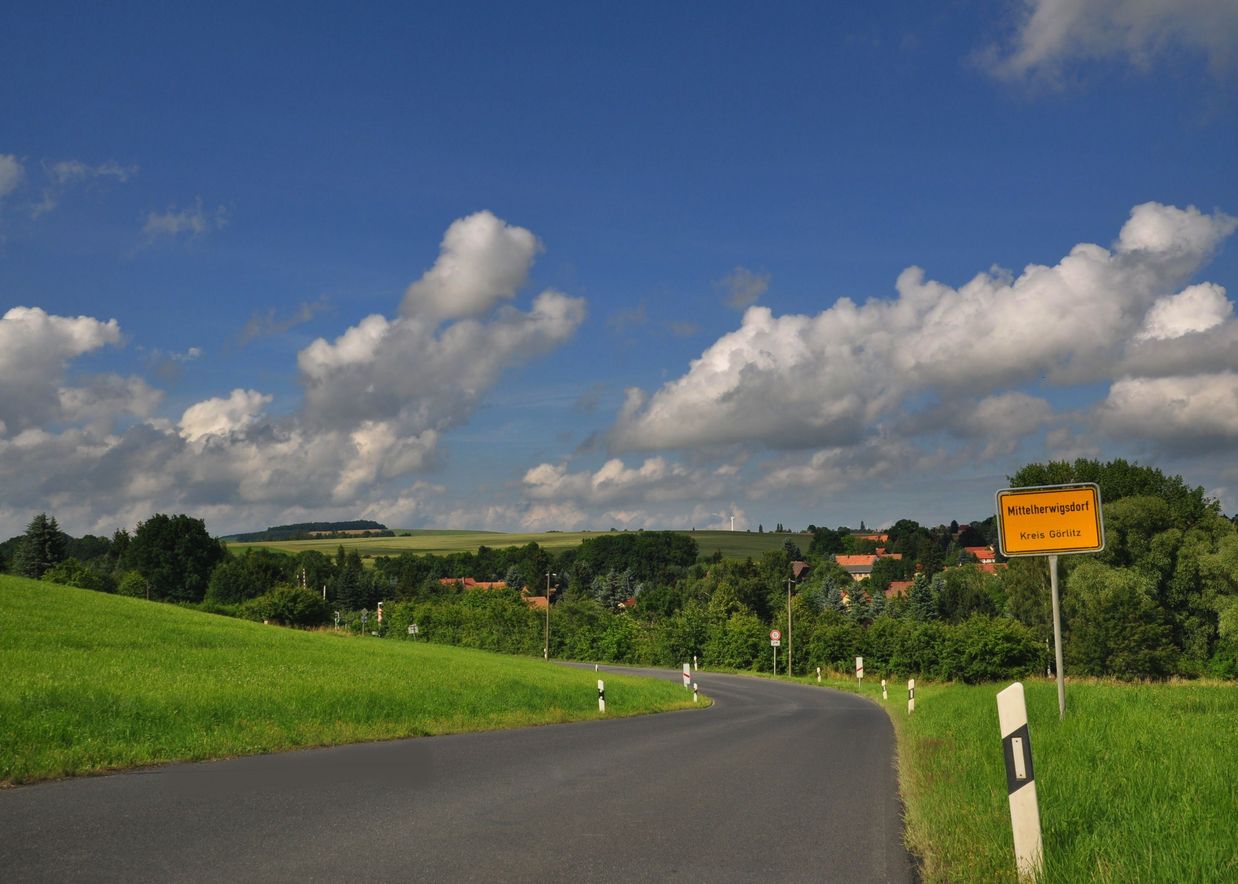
(696, 693)
(601, 695)
(818, 675)
(1020, 782)
(687, 676)
(911, 695)
(884, 695)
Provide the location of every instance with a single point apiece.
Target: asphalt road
(775, 782)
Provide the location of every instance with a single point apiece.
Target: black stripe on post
(1014, 782)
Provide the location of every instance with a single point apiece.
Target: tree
(966, 591)
(921, 605)
(613, 588)
(1118, 479)
(1114, 626)
(42, 547)
(825, 542)
(176, 556)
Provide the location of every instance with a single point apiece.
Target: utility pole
(790, 581)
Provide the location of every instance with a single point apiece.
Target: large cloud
(828, 380)
(376, 402)
(481, 261)
(1181, 414)
(1054, 33)
(35, 352)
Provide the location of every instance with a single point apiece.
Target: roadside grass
(96, 682)
(1138, 783)
(732, 544)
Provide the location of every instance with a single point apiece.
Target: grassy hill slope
(96, 682)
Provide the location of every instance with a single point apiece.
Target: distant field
(732, 544)
(95, 682)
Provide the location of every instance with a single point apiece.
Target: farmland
(732, 544)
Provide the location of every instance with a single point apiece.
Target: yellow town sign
(1050, 520)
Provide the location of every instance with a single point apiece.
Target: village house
(861, 567)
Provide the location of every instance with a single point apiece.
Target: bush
(988, 649)
(71, 572)
(289, 606)
(134, 584)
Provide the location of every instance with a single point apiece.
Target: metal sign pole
(1057, 638)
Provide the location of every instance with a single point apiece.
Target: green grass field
(732, 544)
(95, 682)
(1138, 783)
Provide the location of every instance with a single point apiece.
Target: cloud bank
(376, 402)
(938, 378)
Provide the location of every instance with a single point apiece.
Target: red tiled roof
(534, 601)
(470, 583)
(981, 552)
(899, 588)
(855, 561)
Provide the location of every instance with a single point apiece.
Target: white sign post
(601, 695)
(775, 639)
(687, 676)
(911, 695)
(1020, 782)
(859, 669)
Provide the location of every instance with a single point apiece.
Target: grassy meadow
(732, 544)
(1138, 783)
(96, 682)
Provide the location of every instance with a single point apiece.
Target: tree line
(1160, 600)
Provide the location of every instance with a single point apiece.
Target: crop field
(732, 544)
(1138, 783)
(96, 682)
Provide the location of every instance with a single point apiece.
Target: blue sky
(592, 266)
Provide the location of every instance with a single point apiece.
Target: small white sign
(859, 667)
(775, 643)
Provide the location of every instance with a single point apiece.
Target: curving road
(775, 782)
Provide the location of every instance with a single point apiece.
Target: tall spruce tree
(42, 548)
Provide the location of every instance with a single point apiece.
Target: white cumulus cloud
(376, 402)
(830, 380)
(482, 260)
(1180, 414)
(220, 417)
(35, 351)
(1194, 309)
(1051, 34)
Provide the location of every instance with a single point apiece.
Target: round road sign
(775, 635)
